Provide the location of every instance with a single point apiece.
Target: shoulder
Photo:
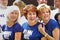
(18, 27)
(25, 25)
(17, 24)
(53, 24)
(53, 21)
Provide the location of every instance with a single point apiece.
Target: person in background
(3, 8)
(50, 29)
(3, 12)
(57, 18)
(56, 10)
(12, 30)
(21, 5)
(3, 3)
(31, 27)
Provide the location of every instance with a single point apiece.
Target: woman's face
(45, 15)
(31, 16)
(59, 18)
(13, 16)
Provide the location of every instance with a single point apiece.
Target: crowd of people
(29, 22)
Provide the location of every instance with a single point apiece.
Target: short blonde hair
(41, 7)
(19, 3)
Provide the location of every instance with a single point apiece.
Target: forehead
(42, 0)
(56, 0)
(15, 11)
(44, 9)
(31, 12)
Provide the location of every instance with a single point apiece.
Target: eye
(34, 13)
(16, 13)
(12, 12)
(29, 13)
(47, 11)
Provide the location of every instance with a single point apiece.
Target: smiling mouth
(31, 19)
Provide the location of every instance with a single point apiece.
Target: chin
(13, 20)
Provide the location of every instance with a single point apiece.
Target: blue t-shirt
(9, 32)
(50, 26)
(59, 26)
(31, 32)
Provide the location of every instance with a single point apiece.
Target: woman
(21, 5)
(12, 30)
(50, 31)
(57, 18)
(31, 27)
(3, 9)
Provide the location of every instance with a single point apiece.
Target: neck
(45, 22)
(32, 23)
(10, 24)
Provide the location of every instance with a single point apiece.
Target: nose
(32, 15)
(45, 14)
(14, 14)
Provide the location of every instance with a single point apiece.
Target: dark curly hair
(56, 16)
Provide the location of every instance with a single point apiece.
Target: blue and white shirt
(31, 32)
(9, 32)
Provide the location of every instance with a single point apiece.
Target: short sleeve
(54, 25)
(18, 28)
(25, 25)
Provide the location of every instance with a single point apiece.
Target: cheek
(39, 15)
(28, 17)
(47, 14)
(35, 16)
(59, 18)
(42, 16)
(17, 17)
(9, 17)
